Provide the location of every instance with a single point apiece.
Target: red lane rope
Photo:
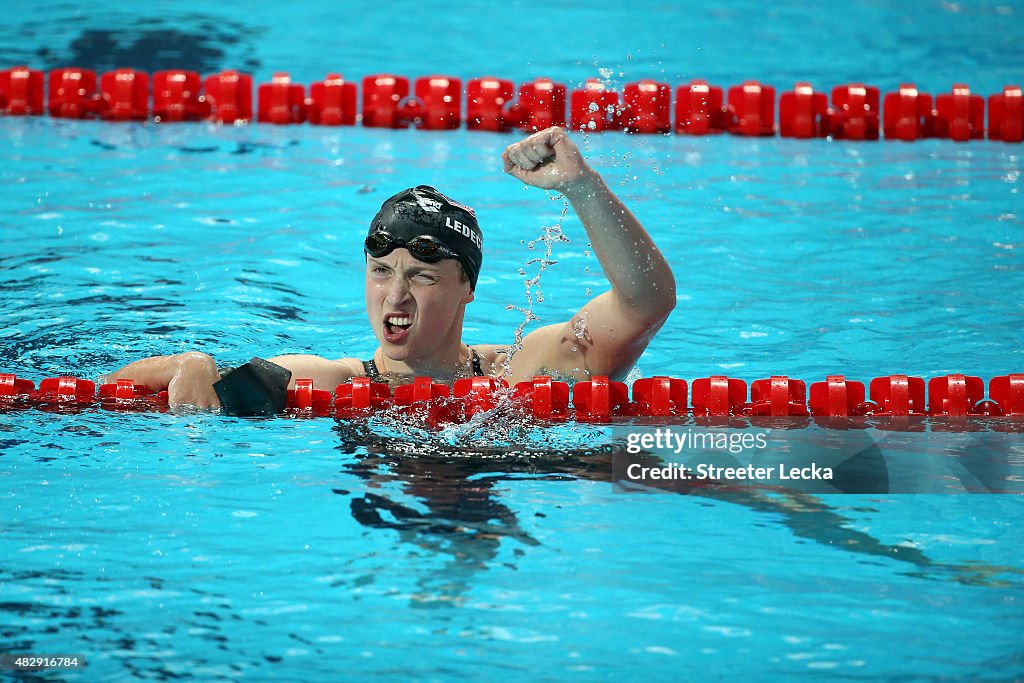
(857, 111)
(599, 400)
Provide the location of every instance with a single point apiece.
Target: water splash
(505, 432)
(579, 326)
(534, 294)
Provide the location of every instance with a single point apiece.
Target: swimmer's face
(415, 307)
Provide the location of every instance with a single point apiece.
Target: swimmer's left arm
(607, 336)
(326, 374)
(187, 377)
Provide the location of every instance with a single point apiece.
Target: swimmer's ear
(469, 296)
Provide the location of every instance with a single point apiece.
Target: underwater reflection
(443, 498)
(443, 495)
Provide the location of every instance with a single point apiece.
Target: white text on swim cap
(427, 204)
(464, 230)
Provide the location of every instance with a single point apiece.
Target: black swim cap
(422, 210)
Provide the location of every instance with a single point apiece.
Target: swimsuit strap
(370, 368)
(371, 371)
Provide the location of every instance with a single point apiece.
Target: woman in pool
(423, 256)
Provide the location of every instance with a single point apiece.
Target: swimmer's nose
(398, 291)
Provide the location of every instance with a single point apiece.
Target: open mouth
(396, 326)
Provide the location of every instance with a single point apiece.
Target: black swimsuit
(370, 368)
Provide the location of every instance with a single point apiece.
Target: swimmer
(423, 257)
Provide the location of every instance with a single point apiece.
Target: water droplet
(579, 326)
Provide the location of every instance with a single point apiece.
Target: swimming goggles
(423, 248)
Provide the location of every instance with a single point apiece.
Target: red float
(541, 105)
(751, 109)
(896, 400)
(382, 95)
(126, 395)
(176, 97)
(594, 108)
(544, 398)
(699, 109)
(66, 391)
(854, 113)
(486, 100)
(600, 399)
(803, 113)
(421, 390)
(332, 102)
(72, 93)
(21, 91)
(306, 401)
(718, 396)
(438, 103)
(908, 114)
(778, 396)
(648, 107)
(124, 95)
(898, 395)
(659, 396)
(960, 115)
(836, 397)
(477, 394)
(123, 390)
(426, 395)
(1008, 392)
(954, 395)
(360, 397)
(1005, 115)
(229, 95)
(14, 389)
(281, 102)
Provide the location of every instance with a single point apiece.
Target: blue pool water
(211, 548)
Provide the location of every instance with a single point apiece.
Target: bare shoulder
(325, 373)
(352, 365)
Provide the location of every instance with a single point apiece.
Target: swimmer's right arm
(187, 377)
